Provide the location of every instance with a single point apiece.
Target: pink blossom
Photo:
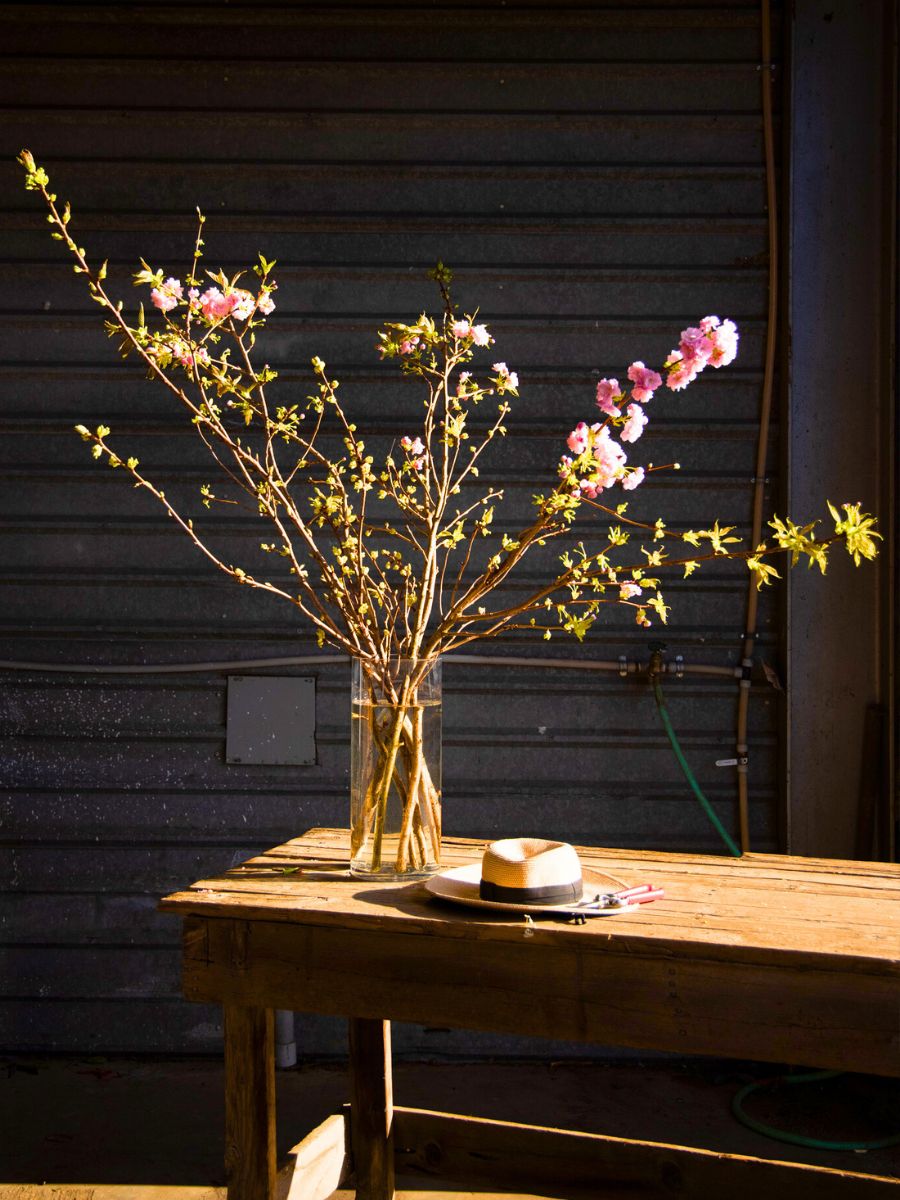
(167, 295)
(695, 346)
(608, 390)
(634, 425)
(645, 382)
(633, 479)
(681, 371)
(464, 377)
(215, 306)
(408, 345)
(565, 466)
(265, 303)
(710, 323)
(244, 304)
(589, 488)
(609, 459)
(725, 344)
(461, 329)
(507, 378)
(577, 440)
(188, 356)
(416, 451)
(480, 335)
(627, 590)
(193, 299)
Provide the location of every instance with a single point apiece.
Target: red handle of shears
(640, 895)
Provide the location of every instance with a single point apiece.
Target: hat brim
(461, 885)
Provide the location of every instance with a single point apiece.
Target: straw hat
(525, 875)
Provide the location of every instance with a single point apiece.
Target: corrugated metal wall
(594, 175)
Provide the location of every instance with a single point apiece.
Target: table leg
(372, 1108)
(249, 1102)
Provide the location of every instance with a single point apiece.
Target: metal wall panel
(594, 175)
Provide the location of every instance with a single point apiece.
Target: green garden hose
(799, 1139)
(737, 1104)
(688, 773)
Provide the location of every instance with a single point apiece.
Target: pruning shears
(627, 898)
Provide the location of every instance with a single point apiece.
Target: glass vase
(395, 769)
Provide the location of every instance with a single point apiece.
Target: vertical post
(840, 424)
(371, 1108)
(249, 1102)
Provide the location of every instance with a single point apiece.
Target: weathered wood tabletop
(767, 957)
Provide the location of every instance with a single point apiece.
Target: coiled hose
(799, 1139)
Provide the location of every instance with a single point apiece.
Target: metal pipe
(765, 417)
(285, 1044)
(301, 660)
(631, 666)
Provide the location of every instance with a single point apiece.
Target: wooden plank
(319, 839)
(249, 1100)
(745, 910)
(318, 842)
(677, 924)
(625, 992)
(372, 1108)
(317, 1165)
(484, 1153)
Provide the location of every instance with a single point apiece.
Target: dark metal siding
(594, 175)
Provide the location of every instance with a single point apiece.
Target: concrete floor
(151, 1129)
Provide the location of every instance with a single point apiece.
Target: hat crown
(530, 863)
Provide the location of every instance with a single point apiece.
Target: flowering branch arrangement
(400, 559)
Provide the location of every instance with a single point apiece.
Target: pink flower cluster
(167, 295)
(213, 303)
(607, 459)
(711, 343)
(505, 377)
(187, 357)
(645, 382)
(166, 349)
(415, 450)
(608, 392)
(477, 333)
(610, 397)
(634, 423)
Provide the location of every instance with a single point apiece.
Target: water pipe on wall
(766, 68)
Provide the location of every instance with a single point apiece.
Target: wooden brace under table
(766, 957)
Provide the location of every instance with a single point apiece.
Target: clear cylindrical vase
(395, 769)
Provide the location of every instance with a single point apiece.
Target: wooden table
(772, 958)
